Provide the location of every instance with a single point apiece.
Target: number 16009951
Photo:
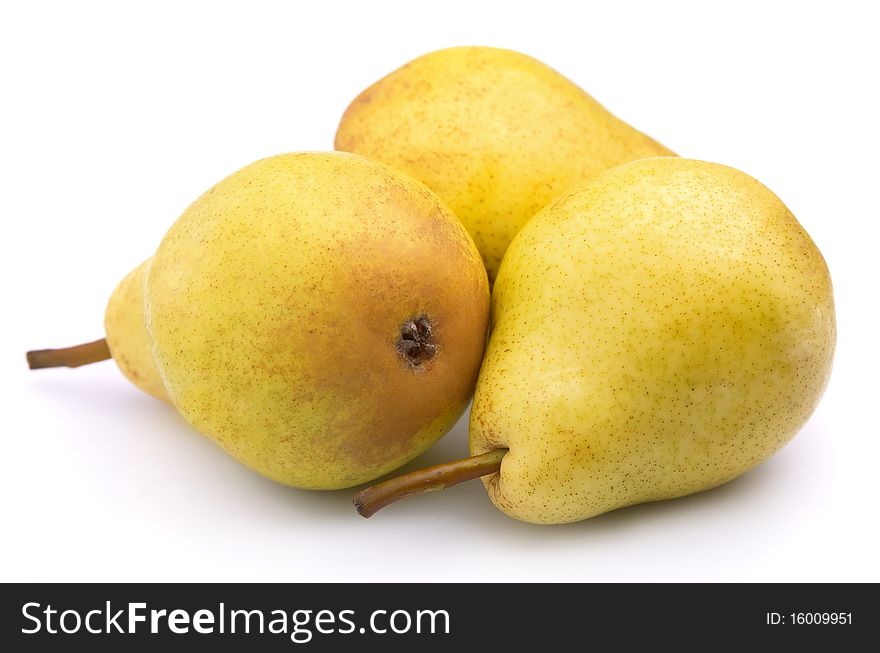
(809, 618)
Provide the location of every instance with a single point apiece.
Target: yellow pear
(321, 316)
(127, 340)
(656, 332)
(495, 133)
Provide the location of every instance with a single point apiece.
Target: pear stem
(438, 477)
(90, 352)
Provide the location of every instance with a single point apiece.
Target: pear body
(656, 332)
(127, 337)
(319, 315)
(495, 133)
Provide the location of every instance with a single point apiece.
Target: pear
(321, 316)
(127, 340)
(656, 332)
(495, 133)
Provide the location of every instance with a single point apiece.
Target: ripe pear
(127, 340)
(656, 332)
(321, 316)
(495, 133)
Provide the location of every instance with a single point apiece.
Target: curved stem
(90, 352)
(438, 477)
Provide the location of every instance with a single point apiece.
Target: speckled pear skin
(278, 305)
(656, 332)
(495, 133)
(127, 337)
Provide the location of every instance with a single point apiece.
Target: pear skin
(321, 316)
(656, 332)
(125, 325)
(495, 133)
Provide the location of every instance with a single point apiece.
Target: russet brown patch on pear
(384, 303)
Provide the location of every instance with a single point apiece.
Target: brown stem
(438, 477)
(90, 352)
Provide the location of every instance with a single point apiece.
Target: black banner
(332, 617)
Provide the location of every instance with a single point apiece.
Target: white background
(113, 119)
